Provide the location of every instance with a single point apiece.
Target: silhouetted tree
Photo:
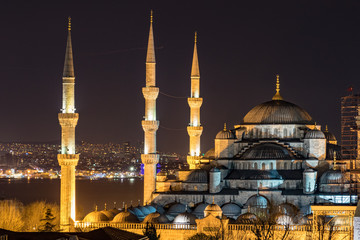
(150, 232)
(47, 225)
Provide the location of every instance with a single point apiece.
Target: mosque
(277, 157)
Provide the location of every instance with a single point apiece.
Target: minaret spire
(195, 101)
(150, 124)
(277, 95)
(68, 158)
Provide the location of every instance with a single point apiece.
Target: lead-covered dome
(96, 216)
(267, 151)
(225, 134)
(315, 134)
(277, 112)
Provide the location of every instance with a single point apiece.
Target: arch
(285, 165)
(271, 166)
(263, 167)
(285, 133)
(255, 166)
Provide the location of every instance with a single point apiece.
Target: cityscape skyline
(313, 49)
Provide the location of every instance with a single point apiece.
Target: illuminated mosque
(276, 157)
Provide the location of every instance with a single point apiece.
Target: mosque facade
(276, 162)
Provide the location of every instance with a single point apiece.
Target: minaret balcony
(68, 79)
(150, 93)
(151, 158)
(68, 119)
(195, 102)
(68, 159)
(194, 131)
(149, 125)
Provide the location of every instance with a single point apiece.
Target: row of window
(268, 166)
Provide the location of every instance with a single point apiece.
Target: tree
(47, 225)
(202, 236)
(150, 232)
(34, 212)
(11, 215)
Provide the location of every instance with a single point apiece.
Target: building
(276, 163)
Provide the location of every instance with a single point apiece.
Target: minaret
(150, 125)
(68, 158)
(195, 101)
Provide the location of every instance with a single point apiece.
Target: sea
(89, 193)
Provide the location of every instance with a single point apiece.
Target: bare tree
(11, 215)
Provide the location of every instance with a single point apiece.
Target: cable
(173, 129)
(170, 95)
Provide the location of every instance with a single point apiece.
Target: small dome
(231, 210)
(210, 154)
(213, 209)
(333, 177)
(225, 134)
(246, 218)
(257, 201)
(288, 209)
(198, 176)
(156, 218)
(283, 219)
(137, 212)
(151, 209)
(199, 210)
(267, 151)
(125, 217)
(144, 210)
(185, 218)
(277, 112)
(96, 216)
(114, 211)
(109, 214)
(315, 134)
(177, 208)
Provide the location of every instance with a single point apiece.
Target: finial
(277, 83)
(151, 16)
(277, 95)
(326, 128)
(224, 126)
(213, 200)
(96, 208)
(125, 207)
(195, 37)
(139, 202)
(114, 204)
(105, 206)
(335, 160)
(315, 126)
(69, 23)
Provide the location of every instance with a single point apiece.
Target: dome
(288, 209)
(277, 112)
(144, 210)
(185, 218)
(151, 209)
(315, 134)
(199, 210)
(225, 134)
(125, 217)
(257, 201)
(246, 218)
(333, 177)
(156, 218)
(267, 151)
(177, 208)
(198, 176)
(114, 211)
(96, 216)
(137, 212)
(210, 153)
(231, 209)
(283, 219)
(109, 214)
(213, 209)
(330, 137)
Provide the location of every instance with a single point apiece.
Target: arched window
(271, 166)
(255, 166)
(287, 185)
(285, 133)
(263, 166)
(276, 132)
(285, 165)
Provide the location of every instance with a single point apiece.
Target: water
(88, 192)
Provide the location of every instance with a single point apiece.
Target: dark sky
(313, 45)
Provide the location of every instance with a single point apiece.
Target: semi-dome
(277, 112)
(185, 218)
(96, 216)
(125, 217)
(225, 134)
(267, 151)
(330, 138)
(198, 176)
(315, 134)
(231, 210)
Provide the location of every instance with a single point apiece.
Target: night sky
(315, 47)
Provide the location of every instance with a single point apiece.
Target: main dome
(277, 112)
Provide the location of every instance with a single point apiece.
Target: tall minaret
(195, 101)
(150, 125)
(68, 158)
